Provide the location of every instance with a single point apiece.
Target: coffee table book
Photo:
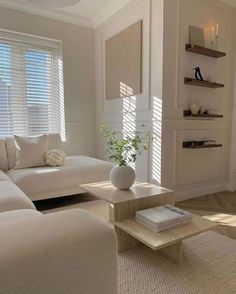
(164, 217)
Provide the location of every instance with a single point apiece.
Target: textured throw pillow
(30, 151)
(55, 157)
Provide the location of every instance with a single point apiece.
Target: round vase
(122, 177)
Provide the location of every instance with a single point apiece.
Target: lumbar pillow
(55, 157)
(30, 151)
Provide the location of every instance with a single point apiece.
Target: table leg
(125, 241)
(174, 252)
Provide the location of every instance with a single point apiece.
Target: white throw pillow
(55, 157)
(3, 156)
(54, 141)
(30, 151)
(11, 152)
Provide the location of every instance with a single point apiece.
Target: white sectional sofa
(70, 252)
(49, 182)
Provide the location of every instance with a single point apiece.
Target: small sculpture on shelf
(198, 75)
(210, 112)
(195, 108)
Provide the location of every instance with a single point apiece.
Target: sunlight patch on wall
(157, 133)
(129, 112)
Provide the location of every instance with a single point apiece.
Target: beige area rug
(208, 267)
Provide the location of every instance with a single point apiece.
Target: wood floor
(219, 207)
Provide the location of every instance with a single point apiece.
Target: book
(166, 227)
(163, 217)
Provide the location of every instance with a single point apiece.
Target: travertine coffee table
(122, 207)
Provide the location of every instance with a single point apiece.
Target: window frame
(47, 45)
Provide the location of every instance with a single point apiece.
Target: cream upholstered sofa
(49, 182)
(70, 252)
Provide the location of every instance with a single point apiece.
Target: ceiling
(90, 13)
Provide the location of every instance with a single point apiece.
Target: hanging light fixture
(54, 3)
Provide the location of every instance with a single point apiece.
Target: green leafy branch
(126, 150)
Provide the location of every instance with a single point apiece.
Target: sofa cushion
(11, 197)
(3, 156)
(11, 152)
(4, 177)
(16, 215)
(76, 170)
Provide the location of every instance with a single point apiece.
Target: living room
(83, 84)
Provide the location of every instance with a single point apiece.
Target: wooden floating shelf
(187, 114)
(204, 51)
(193, 82)
(199, 144)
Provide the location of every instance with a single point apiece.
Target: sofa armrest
(63, 253)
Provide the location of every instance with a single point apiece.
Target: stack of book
(164, 217)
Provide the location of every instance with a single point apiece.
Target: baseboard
(180, 196)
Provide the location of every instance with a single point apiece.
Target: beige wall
(78, 57)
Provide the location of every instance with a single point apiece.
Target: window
(31, 85)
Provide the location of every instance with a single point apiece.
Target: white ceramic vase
(122, 177)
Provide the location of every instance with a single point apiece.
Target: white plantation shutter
(31, 85)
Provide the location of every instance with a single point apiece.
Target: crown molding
(108, 12)
(49, 13)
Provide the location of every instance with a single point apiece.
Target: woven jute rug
(208, 267)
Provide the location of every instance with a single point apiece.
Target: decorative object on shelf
(123, 152)
(198, 75)
(214, 36)
(201, 144)
(194, 107)
(196, 36)
(209, 142)
(217, 35)
(210, 112)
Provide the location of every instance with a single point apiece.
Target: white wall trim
(50, 13)
(180, 196)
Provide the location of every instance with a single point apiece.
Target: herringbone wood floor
(219, 207)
